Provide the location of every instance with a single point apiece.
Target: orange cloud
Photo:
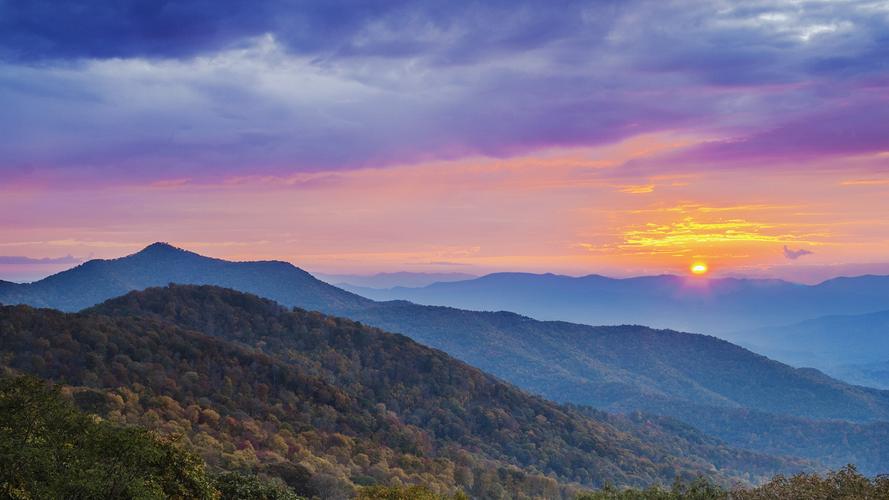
(637, 188)
(865, 182)
(566, 210)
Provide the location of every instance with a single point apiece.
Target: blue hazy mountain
(867, 374)
(352, 282)
(159, 264)
(715, 306)
(853, 347)
(745, 398)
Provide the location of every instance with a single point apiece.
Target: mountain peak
(160, 246)
(161, 249)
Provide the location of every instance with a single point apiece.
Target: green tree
(844, 484)
(699, 489)
(237, 486)
(404, 493)
(48, 449)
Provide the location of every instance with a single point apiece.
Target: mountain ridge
(73, 289)
(612, 368)
(187, 343)
(832, 343)
(718, 306)
(495, 342)
(390, 279)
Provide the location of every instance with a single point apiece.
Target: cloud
(637, 188)
(446, 31)
(15, 260)
(865, 182)
(795, 254)
(147, 91)
(441, 263)
(855, 126)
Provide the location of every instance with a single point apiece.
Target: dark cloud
(795, 254)
(45, 29)
(139, 88)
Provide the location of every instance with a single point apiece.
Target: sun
(699, 268)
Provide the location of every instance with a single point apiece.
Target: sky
(613, 137)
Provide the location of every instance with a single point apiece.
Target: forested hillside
(50, 449)
(701, 380)
(626, 367)
(619, 367)
(350, 404)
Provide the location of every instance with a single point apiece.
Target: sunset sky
(620, 138)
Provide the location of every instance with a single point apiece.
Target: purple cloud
(791, 254)
(853, 126)
(151, 90)
(16, 260)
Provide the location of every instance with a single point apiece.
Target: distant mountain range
(867, 374)
(353, 403)
(854, 347)
(744, 398)
(695, 304)
(390, 280)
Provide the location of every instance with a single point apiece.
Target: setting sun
(699, 268)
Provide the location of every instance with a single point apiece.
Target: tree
(48, 449)
(237, 486)
(404, 493)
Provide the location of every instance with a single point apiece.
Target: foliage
(244, 409)
(251, 386)
(404, 493)
(238, 486)
(699, 489)
(844, 484)
(48, 449)
(428, 389)
(303, 404)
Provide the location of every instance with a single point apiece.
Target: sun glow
(699, 268)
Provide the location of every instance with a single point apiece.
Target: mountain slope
(724, 390)
(829, 343)
(717, 306)
(159, 264)
(867, 374)
(853, 348)
(613, 368)
(622, 367)
(626, 367)
(389, 280)
(256, 362)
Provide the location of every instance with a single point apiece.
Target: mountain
(8, 286)
(866, 374)
(701, 380)
(159, 264)
(716, 306)
(252, 384)
(626, 367)
(352, 282)
(835, 344)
